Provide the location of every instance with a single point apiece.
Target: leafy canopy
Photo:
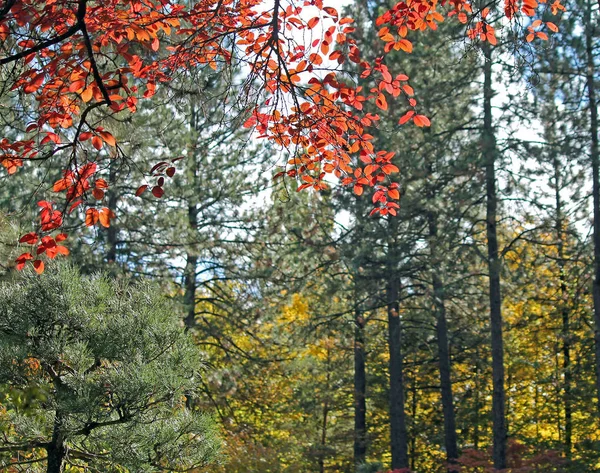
(70, 65)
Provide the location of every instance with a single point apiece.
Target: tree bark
(564, 310)
(112, 198)
(450, 440)
(399, 443)
(360, 390)
(591, 89)
(191, 264)
(56, 448)
(489, 156)
(325, 415)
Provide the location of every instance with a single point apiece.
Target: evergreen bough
(98, 374)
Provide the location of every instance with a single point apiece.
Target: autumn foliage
(72, 57)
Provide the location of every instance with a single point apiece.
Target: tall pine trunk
(564, 309)
(591, 89)
(399, 442)
(439, 307)
(112, 197)
(190, 279)
(360, 390)
(191, 264)
(489, 156)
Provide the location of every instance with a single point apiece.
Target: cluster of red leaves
(161, 171)
(520, 458)
(79, 55)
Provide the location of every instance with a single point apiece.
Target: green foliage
(100, 370)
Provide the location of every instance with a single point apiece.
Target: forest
(243, 276)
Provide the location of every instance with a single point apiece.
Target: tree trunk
(413, 412)
(477, 401)
(56, 449)
(191, 264)
(325, 415)
(399, 443)
(111, 251)
(489, 155)
(450, 440)
(591, 89)
(190, 282)
(564, 310)
(360, 390)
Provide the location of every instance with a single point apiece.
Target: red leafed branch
(76, 57)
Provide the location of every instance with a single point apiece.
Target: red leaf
(108, 138)
(101, 184)
(30, 238)
(422, 120)
(393, 194)
(105, 216)
(141, 190)
(97, 143)
(406, 117)
(98, 193)
(22, 259)
(91, 217)
(157, 191)
(38, 265)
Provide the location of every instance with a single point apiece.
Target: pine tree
(113, 369)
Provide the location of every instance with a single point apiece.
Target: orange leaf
(422, 120)
(63, 250)
(312, 22)
(542, 35)
(38, 265)
(91, 217)
(108, 138)
(97, 143)
(105, 216)
(101, 184)
(405, 45)
(406, 117)
(87, 94)
(381, 102)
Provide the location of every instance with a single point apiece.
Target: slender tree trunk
(413, 412)
(325, 415)
(190, 286)
(591, 89)
(56, 449)
(564, 310)
(399, 443)
(111, 252)
(191, 264)
(477, 401)
(450, 440)
(360, 390)
(489, 155)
